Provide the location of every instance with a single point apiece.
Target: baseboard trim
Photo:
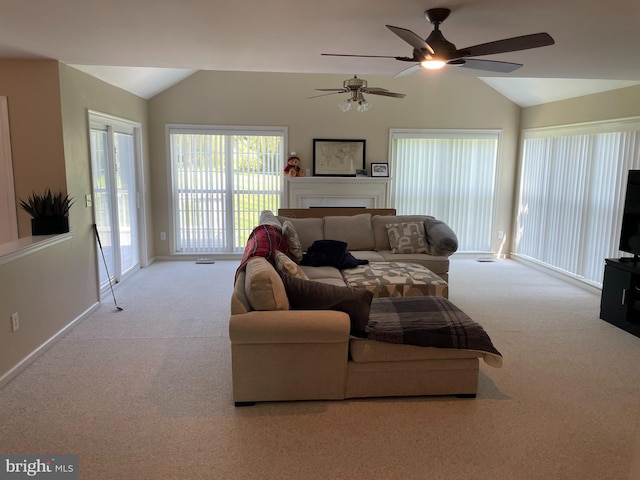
(29, 359)
(558, 273)
(192, 257)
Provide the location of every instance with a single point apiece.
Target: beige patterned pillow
(285, 265)
(407, 237)
(293, 242)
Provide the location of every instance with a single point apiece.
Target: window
(571, 193)
(450, 175)
(222, 179)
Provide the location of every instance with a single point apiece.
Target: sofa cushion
(263, 286)
(324, 274)
(363, 350)
(311, 295)
(407, 237)
(308, 229)
(355, 230)
(369, 255)
(293, 242)
(285, 264)
(239, 301)
(379, 225)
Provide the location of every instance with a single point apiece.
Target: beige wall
(32, 88)
(80, 93)
(231, 98)
(615, 104)
(621, 103)
(54, 286)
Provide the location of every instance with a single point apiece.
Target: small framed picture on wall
(379, 169)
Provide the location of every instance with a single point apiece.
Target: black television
(630, 233)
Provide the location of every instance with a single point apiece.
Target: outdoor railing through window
(222, 180)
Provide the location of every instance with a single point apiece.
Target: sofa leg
(466, 395)
(244, 404)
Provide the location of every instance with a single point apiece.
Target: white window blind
(450, 175)
(222, 180)
(571, 194)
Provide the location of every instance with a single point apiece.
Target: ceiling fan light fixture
(345, 106)
(363, 106)
(433, 64)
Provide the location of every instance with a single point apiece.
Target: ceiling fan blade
(347, 55)
(408, 71)
(411, 38)
(514, 44)
(487, 65)
(373, 89)
(386, 93)
(325, 94)
(332, 90)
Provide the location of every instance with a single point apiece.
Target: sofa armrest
(289, 326)
(441, 237)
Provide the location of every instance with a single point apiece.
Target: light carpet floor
(145, 393)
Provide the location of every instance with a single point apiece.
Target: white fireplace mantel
(367, 192)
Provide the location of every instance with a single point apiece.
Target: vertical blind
(571, 195)
(450, 175)
(222, 180)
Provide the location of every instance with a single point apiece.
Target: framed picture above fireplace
(338, 158)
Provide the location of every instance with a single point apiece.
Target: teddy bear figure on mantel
(293, 166)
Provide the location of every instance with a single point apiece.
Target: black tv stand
(620, 302)
(635, 259)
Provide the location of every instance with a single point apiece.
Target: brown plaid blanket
(428, 322)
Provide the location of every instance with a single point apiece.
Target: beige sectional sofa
(279, 353)
(365, 232)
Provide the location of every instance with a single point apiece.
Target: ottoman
(396, 279)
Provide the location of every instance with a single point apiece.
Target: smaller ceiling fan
(436, 51)
(356, 87)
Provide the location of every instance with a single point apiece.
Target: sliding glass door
(222, 179)
(115, 196)
(450, 174)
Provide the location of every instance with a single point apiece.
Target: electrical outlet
(500, 235)
(163, 236)
(15, 322)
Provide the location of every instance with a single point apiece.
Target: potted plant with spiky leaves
(49, 212)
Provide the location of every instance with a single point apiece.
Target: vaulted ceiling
(146, 45)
